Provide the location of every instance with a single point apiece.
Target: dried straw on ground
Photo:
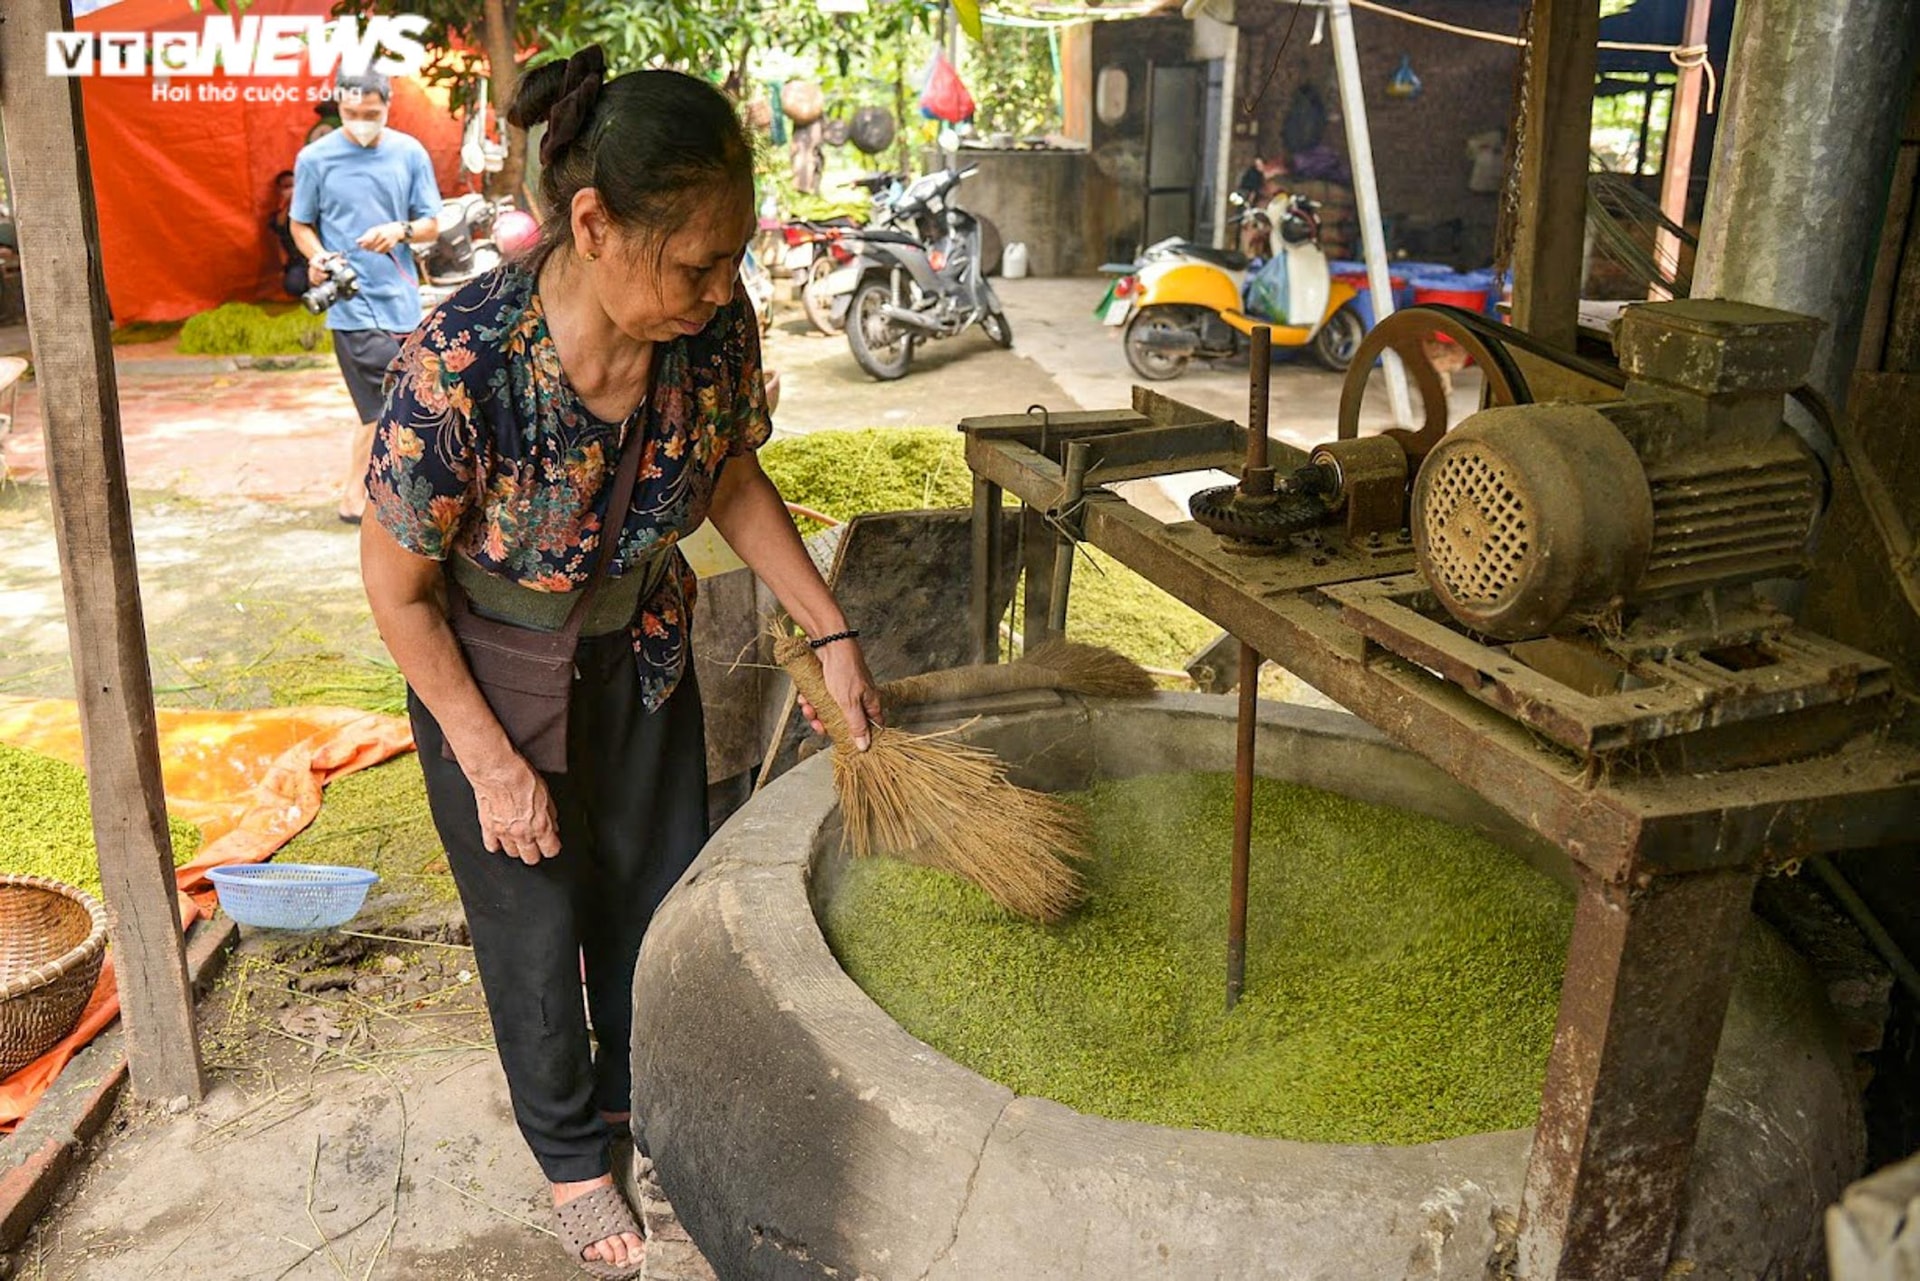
(949, 805)
(1069, 666)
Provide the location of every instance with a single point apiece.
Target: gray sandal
(593, 1217)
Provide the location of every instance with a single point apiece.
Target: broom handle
(965, 682)
(803, 665)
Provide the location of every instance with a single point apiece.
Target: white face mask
(364, 131)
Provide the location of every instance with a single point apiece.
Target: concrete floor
(233, 475)
(359, 1132)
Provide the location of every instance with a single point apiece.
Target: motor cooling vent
(1526, 516)
(1478, 535)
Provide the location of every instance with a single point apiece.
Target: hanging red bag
(945, 98)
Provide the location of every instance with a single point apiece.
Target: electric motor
(1531, 519)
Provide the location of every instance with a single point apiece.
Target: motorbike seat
(1230, 259)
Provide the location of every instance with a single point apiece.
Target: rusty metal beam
(1649, 973)
(1246, 730)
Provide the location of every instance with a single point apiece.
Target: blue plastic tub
(1418, 272)
(1355, 274)
(291, 896)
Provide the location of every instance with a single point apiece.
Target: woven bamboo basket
(53, 939)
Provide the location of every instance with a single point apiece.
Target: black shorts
(364, 355)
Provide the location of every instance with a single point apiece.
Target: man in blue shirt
(364, 193)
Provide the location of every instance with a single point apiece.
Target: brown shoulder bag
(526, 675)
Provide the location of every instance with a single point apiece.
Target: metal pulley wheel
(1407, 333)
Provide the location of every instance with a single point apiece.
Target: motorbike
(1182, 301)
(818, 252)
(815, 250)
(463, 249)
(757, 283)
(909, 287)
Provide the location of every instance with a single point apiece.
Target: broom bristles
(947, 805)
(1070, 666)
(1093, 670)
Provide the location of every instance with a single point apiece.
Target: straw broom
(1071, 666)
(948, 805)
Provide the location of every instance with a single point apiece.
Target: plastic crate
(291, 896)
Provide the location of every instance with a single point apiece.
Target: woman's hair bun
(561, 93)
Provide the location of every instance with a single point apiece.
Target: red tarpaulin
(185, 188)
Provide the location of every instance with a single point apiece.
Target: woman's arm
(516, 812)
(749, 514)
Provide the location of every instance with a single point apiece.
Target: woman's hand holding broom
(750, 515)
(944, 803)
(843, 666)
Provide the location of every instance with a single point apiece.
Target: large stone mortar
(801, 1132)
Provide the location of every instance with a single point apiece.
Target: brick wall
(1419, 145)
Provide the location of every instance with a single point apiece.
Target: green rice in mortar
(1403, 974)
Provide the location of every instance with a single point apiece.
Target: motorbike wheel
(997, 328)
(1152, 363)
(882, 348)
(814, 299)
(1339, 339)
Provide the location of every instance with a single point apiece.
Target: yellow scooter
(1182, 301)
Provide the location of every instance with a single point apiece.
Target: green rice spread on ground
(46, 822)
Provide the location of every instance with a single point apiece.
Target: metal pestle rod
(1255, 477)
(1242, 823)
(1259, 386)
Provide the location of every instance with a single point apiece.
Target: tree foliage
(1012, 81)
(703, 38)
(855, 52)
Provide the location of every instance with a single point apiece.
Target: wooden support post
(987, 553)
(1549, 252)
(1037, 543)
(59, 231)
(1649, 974)
(1683, 125)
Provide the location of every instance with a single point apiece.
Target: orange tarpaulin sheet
(184, 188)
(249, 780)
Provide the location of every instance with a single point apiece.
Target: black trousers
(633, 814)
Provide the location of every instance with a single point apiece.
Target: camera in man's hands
(342, 282)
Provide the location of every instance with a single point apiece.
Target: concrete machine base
(802, 1133)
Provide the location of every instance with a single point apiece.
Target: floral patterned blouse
(485, 449)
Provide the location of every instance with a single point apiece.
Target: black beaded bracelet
(852, 633)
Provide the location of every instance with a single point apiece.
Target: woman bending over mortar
(608, 381)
